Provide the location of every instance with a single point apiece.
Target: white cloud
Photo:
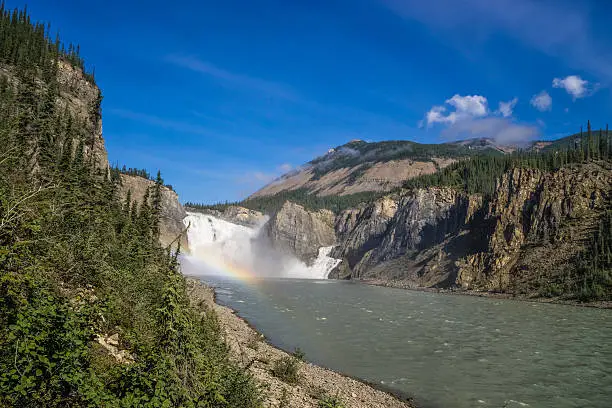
(502, 130)
(573, 85)
(506, 108)
(285, 167)
(436, 115)
(472, 118)
(465, 107)
(472, 105)
(542, 101)
(266, 87)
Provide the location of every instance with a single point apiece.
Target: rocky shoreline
(314, 383)
(494, 295)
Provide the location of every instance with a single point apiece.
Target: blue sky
(223, 96)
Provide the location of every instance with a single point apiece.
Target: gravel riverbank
(252, 351)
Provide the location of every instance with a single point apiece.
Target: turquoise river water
(443, 350)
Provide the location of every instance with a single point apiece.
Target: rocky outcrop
(81, 98)
(540, 222)
(172, 212)
(295, 230)
(363, 229)
(383, 239)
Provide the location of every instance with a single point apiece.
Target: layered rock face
(540, 222)
(172, 212)
(295, 230)
(529, 235)
(382, 240)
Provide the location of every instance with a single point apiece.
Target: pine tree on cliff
(588, 143)
(607, 145)
(156, 208)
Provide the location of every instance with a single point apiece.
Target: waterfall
(218, 246)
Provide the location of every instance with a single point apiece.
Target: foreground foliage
(329, 401)
(77, 265)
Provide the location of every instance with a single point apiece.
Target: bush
(299, 354)
(286, 368)
(327, 401)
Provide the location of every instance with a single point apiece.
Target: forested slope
(93, 310)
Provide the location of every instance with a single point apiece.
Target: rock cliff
(387, 238)
(172, 212)
(81, 98)
(296, 230)
(540, 222)
(525, 240)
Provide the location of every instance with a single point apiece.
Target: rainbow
(217, 265)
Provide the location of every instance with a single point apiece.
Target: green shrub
(328, 401)
(283, 402)
(287, 368)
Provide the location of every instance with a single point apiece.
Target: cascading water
(213, 237)
(221, 247)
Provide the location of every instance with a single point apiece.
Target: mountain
(358, 166)
(536, 222)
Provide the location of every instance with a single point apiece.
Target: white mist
(214, 242)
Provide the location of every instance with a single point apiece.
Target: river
(443, 350)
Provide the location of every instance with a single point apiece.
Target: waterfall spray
(221, 247)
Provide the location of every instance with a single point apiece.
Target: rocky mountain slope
(358, 166)
(527, 238)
